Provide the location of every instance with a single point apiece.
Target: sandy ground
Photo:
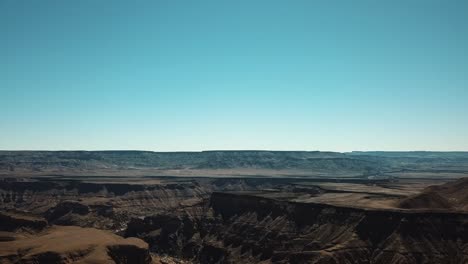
(87, 245)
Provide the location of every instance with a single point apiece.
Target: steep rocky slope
(234, 228)
(426, 200)
(101, 205)
(13, 221)
(110, 205)
(452, 195)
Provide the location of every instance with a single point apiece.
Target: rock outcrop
(14, 221)
(64, 208)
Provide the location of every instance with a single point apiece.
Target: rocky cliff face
(235, 228)
(101, 205)
(112, 205)
(449, 196)
(12, 222)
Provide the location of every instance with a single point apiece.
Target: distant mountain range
(356, 163)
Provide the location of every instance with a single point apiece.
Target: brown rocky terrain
(449, 196)
(71, 244)
(239, 227)
(233, 218)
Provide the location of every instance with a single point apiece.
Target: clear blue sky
(197, 75)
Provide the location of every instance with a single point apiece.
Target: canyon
(378, 208)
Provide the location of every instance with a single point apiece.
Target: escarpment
(100, 205)
(13, 221)
(248, 228)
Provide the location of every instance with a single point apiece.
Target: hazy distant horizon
(233, 150)
(174, 76)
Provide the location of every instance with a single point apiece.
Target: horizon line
(217, 150)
